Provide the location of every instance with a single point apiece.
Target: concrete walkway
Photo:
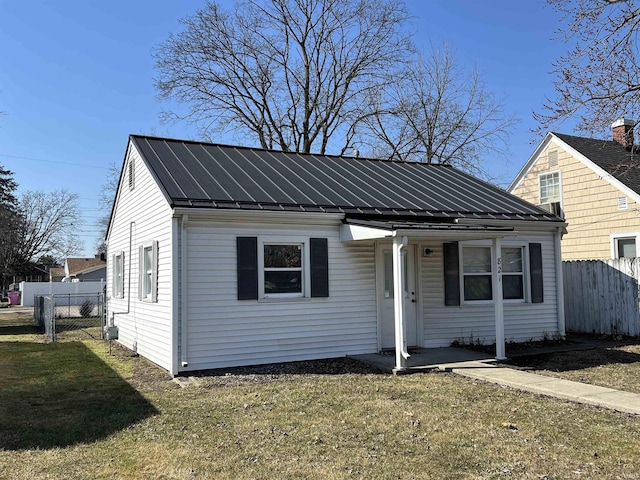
(484, 367)
(554, 387)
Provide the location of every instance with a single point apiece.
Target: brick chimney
(622, 130)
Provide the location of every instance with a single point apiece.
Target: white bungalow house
(222, 256)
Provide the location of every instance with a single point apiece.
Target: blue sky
(76, 78)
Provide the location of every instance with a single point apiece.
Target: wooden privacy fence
(601, 296)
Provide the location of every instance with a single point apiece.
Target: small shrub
(86, 309)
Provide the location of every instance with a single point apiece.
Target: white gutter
(525, 224)
(260, 216)
(399, 244)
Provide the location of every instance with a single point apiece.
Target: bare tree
(599, 79)
(106, 197)
(438, 112)
(49, 221)
(288, 74)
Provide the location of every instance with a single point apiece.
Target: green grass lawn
(70, 411)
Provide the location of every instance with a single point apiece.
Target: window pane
(282, 282)
(148, 271)
(282, 256)
(476, 260)
(477, 287)
(512, 260)
(512, 287)
(626, 247)
(147, 259)
(388, 274)
(550, 188)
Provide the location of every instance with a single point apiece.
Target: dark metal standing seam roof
(622, 163)
(194, 174)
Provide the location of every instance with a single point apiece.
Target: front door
(386, 294)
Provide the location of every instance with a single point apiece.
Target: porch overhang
(400, 233)
(358, 230)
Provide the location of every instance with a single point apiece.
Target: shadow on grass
(62, 394)
(578, 360)
(19, 330)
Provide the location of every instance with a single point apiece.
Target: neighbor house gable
(598, 207)
(551, 140)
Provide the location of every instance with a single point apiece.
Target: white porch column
(398, 302)
(496, 277)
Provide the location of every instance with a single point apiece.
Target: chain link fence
(70, 315)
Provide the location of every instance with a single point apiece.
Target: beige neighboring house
(91, 269)
(594, 184)
(56, 274)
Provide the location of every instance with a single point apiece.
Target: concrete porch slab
(425, 359)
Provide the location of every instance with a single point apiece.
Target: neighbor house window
(512, 274)
(118, 275)
(148, 280)
(625, 247)
(282, 270)
(550, 192)
(476, 273)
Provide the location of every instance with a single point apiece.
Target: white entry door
(386, 294)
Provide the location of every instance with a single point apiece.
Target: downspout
(559, 283)
(184, 291)
(399, 244)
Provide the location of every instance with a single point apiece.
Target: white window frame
(560, 193)
(526, 295)
(144, 282)
(526, 281)
(303, 242)
(117, 275)
(462, 246)
(614, 237)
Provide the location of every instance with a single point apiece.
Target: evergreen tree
(10, 221)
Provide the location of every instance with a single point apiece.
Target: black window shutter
(451, 274)
(247, 259)
(319, 255)
(535, 266)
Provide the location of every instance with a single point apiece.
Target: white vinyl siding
(475, 321)
(142, 215)
(224, 332)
